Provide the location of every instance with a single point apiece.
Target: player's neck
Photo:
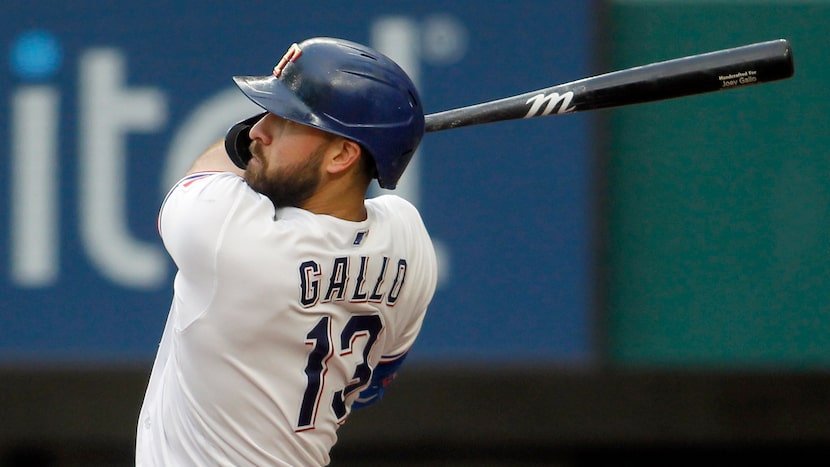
(342, 202)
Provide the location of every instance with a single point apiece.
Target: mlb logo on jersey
(358, 238)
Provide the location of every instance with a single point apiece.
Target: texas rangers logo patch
(290, 56)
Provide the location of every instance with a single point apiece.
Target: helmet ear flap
(238, 141)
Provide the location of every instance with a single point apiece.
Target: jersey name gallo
(349, 278)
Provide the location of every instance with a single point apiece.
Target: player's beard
(287, 187)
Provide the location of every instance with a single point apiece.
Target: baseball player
(296, 298)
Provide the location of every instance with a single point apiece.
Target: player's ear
(345, 153)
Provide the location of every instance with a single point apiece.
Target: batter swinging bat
(757, 63)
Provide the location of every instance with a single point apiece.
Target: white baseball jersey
(277, 320)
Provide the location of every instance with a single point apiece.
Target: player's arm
(382, 377)
(214, 159)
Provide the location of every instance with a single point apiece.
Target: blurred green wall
(717, 205)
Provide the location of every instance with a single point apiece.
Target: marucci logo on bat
(560, 103)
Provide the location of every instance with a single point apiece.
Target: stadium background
(646, 283)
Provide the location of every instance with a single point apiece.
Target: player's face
(287, 160)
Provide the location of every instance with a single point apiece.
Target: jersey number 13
(358, 326)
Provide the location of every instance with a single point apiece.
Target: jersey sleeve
(192, 215)
(192, 221)
(420, 282)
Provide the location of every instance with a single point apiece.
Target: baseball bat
(732, 68)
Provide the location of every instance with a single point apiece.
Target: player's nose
(260, 129)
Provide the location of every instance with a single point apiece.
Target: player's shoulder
(392, 203)
(399, 211)
(202, 180)
(206, 186)
(214, 191)
(393, 206)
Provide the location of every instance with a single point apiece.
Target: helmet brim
(272, 95)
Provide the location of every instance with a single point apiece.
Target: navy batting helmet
(343, 88)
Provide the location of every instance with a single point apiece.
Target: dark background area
(516, 417)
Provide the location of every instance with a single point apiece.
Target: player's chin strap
(238, 141)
